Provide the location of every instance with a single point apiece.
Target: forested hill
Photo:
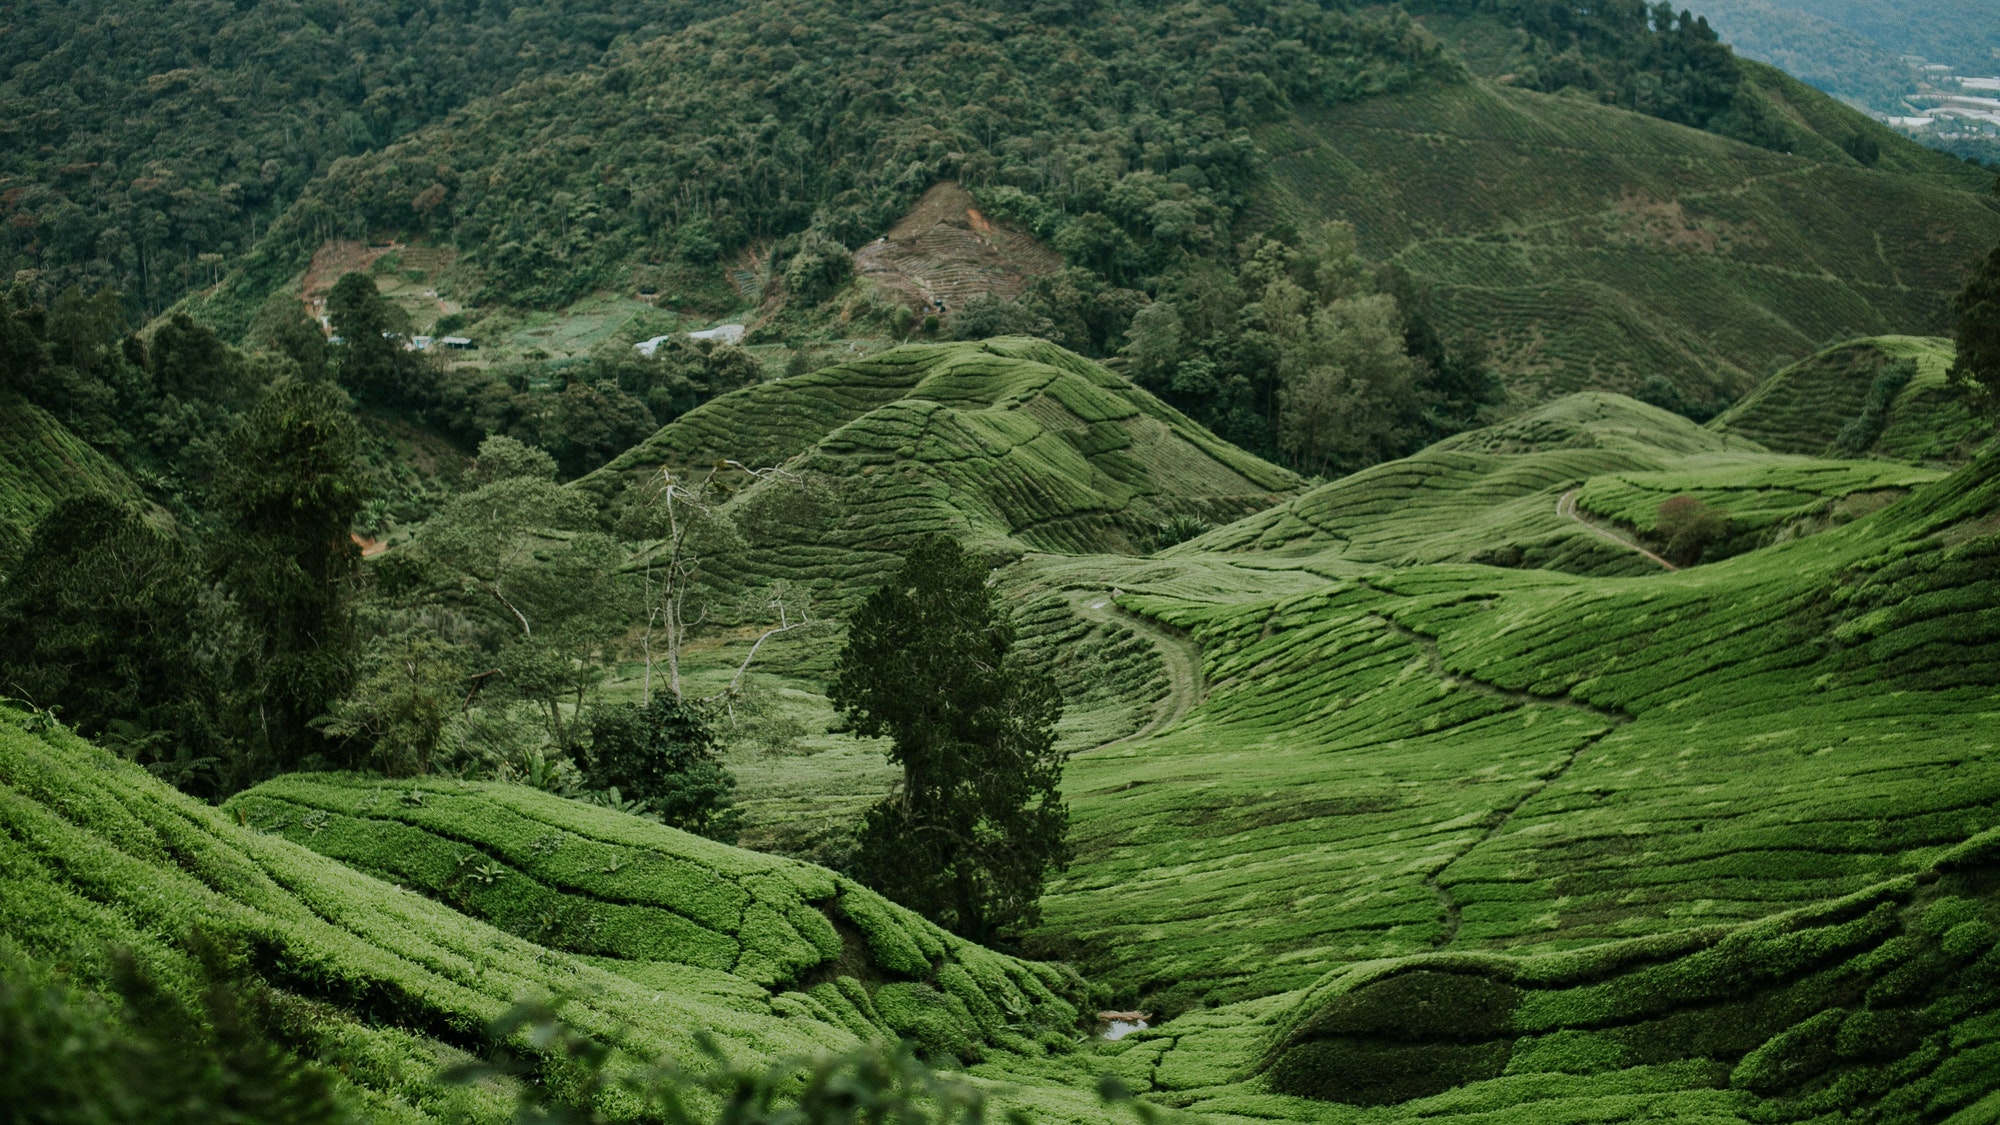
(1599, 199)
(1117, 128)
(792, 114)
(145, 143)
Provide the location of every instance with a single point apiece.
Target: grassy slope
(1465, 760)
(654, 903)
(1802, 408)
(389, 986)
(1592, 247)
(1012, 444)
(41, 462)
(1492, 495)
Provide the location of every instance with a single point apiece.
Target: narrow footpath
(1566, 506)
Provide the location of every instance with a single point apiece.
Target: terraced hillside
(1913, 416)
(655, 904)
(1451, 759)
(1385, 834)
(1591, 247)
(1564, 487)
(42, 462)
(1013, 444)
(646, 934)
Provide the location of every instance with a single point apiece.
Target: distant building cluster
(1949, 104)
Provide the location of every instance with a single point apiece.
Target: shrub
(818, 268)
(1689, 526)
(1859, 436)
(663, 755)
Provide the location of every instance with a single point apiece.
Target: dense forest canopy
(800, 115)
(146, 145)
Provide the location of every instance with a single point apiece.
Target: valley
(1064, 561)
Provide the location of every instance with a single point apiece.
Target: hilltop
(1885, 396)
(1011, 444)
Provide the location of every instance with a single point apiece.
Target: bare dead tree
(681, 506)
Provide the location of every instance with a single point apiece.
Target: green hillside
(1587, 245)
(1013, 444)
(1379, 833)
(1592, 247)
(1570, 487)
(42, 462)
(387, 987)
(1805, 407)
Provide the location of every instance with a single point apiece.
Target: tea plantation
(42, 462)
(645, 936)
(1423, 795)
(1806, 407)
(1591, 248)
(1011, 444)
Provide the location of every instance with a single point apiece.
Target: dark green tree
(1976, 371)
(289, 494)
(818, 268)
(372, 362)
(977, 822)
(187, 360)
(663, 755)
(104, 622)
(283, 327)
(1688, 526)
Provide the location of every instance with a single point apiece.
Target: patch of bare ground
(945, 252)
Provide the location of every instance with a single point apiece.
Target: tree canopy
(1977, 368)
(977, 821)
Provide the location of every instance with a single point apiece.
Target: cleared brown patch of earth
(944, 253)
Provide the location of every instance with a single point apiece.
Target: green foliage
(1860, 435)
(1013, 444)
(701, 155)
(977, 823)
(153, 145)
(1588, 247)
(372, 362)
(1816, 49)
(105, 622)
(1646, 58)
(41, 463)
(1689, 526)
(1299, 354)
(662, 755)
(1807, 406)
(405, 696)
(1976, 370)
(504, 458)
(289, 496)
(66, 1056)
(873, 1084)
(656, 902)
(161, 409)
(817, 268)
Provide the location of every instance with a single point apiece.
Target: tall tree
(372, 362)
(104, 622)
(1976, 371)
(977, 822)
(289, 493)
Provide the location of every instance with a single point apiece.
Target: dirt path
(1566, 506)
(1180, 660)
